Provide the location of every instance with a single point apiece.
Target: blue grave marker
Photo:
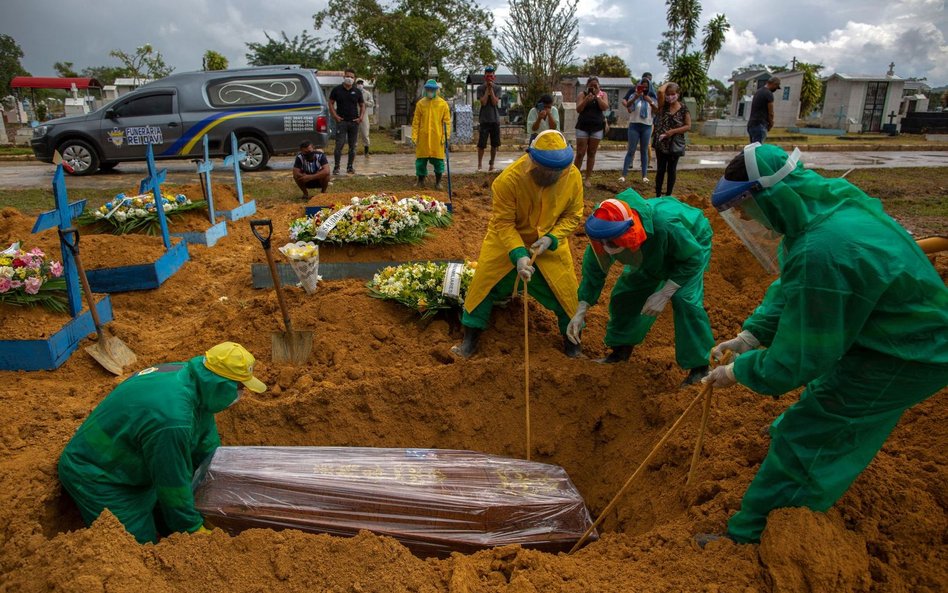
(233, 160)
(152, 275)
(48, 354)
(153, 182)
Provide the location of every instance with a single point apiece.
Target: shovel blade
(112, 354)
(293, 347)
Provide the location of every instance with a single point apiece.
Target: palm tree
(683, 17)
(690, 72)
(714, 33)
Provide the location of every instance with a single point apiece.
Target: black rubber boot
(420, 182)
(695, 376)
(570, 349)
(618, 354)
(468, 345)
(437, 181)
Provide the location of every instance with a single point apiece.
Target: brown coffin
(434, 501)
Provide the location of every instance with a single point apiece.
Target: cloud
(911, 38)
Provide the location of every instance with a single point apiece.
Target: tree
(401, 41)
(538, 42)
(303, 49)
(144, 63)
(214, 61)
(690, 73)
(10, 66)
(106, 74)
(64, 69)
(714, 33)
(811, 89)
(606, 66)
(683, 17)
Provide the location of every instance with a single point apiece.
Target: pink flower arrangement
(29, 278)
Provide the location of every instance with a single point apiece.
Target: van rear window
(256, 91)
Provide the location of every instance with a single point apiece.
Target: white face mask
(359, 86)
(671, 98)
(348, 80)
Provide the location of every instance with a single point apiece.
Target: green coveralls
(860, 317)
(677, 248)
(136, 452)
(538, 288)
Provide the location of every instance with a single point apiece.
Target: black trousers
(667, 163)
(346, 132)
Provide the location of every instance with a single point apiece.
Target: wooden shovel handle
(70, 238)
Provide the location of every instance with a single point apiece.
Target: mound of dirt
(379, 377)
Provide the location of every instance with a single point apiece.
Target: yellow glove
(202, 529)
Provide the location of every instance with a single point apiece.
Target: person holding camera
(590, 125)
(668, 138)
(488, 118)
(639, 102)
(543, 117)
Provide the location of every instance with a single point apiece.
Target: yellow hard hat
(232, 361)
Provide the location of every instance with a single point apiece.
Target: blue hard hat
(599, 229)
(728, 194)
(431, 84)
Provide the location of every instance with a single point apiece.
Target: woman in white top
(639, 102)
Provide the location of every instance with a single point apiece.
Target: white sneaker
(622, 180)
(645, 180)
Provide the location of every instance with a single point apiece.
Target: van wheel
(257, 154)
(80, 156)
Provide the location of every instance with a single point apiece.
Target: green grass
(15, 150)
(918, 198)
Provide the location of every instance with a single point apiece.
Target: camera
(641, 88)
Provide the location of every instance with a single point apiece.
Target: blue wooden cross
(62, 217)
(204, 169)
(233, 160)
(153, 182)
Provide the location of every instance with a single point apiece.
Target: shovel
(109, 351)
(290, 346)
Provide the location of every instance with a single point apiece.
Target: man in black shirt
(348, 111)
(488, 118)
(761, 118)
(311, 169)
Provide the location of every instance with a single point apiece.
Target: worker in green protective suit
(859, 316)
(665, 247)
(136, 452)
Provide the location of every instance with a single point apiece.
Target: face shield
(545, 176)
(550, 157)
(736, 202)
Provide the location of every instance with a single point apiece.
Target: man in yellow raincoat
(537, 202)
(432, 120)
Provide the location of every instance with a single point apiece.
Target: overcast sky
(848, 36)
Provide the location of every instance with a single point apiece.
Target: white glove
(525, 269)
(541, 245)
(575, 328)
(744, 342)
(655, 303)
(722, 376)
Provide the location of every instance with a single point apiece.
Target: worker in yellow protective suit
(431, 122)
(537, 202)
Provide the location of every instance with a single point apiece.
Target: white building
(862, 103)
(914, 97)
(330, 79)
(122, 86)
(786, 100)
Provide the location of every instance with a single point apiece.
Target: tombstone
(232, 160)
(51, 353)
(145, 276)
